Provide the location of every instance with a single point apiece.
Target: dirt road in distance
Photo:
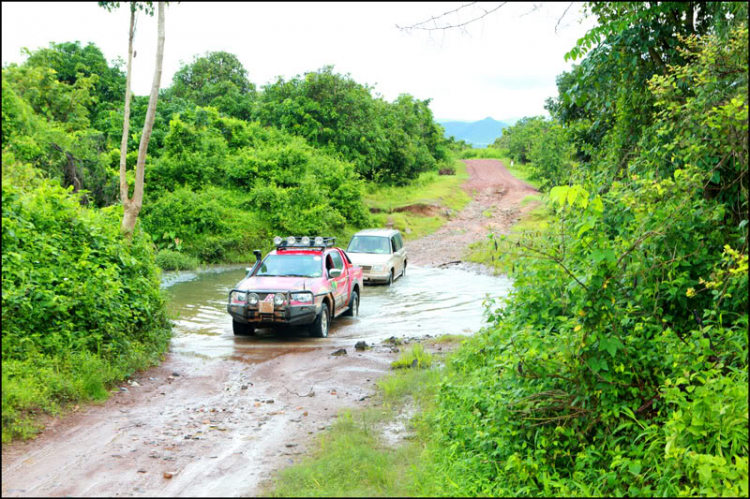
(496, 206)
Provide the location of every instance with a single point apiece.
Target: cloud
(504, 65)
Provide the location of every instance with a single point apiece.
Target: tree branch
(563, 15)
(434, 19)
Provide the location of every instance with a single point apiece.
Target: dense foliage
(391, 142)
(81, 307)
(620, 364)
(543, 146)
(217, 79)
(217, 180)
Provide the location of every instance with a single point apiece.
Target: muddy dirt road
(223, 413)
(496, 205)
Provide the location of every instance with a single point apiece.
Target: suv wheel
(241, 329)
(390, 278)
(403, 271)
(353, 305)
(319, 328)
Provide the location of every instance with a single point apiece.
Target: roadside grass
(518, 171)
(416, 357)
(352, 460)
(445, 339)
(430, 189)
(418, 226)
(56, 385)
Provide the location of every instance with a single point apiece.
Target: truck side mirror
(333, 273)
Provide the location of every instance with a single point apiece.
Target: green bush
(81, 306)
(386, 142)
(173, 260)
(487, 153)
(619, 365)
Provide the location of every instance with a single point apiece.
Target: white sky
(503, 66)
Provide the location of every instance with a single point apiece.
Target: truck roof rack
(295, 242)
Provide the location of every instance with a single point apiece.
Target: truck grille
(365, 268)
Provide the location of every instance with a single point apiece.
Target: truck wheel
(319, 328)
(353, 310)
(241, 329)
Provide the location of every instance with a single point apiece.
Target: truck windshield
(369, 244)
(291, 266)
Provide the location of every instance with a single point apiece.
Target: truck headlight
(302, 297)
(252, 299)
(278, 300)
(238, 296)
(378, 268)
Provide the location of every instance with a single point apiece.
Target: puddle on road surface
(425, 301)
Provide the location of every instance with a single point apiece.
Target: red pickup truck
(303, 282)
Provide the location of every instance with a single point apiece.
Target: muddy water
(427, 301)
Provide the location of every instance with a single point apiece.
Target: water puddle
(427, 301)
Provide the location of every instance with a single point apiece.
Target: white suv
(380, 253)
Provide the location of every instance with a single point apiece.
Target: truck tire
(241, 329)
(319, 328)
(353, 310)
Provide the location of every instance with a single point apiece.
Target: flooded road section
(222, 414)
(426, 301)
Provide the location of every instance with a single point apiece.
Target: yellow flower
(690, 292)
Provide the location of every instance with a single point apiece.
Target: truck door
(339, 284)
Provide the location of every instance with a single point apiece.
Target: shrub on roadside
(174, 260)
(619, 365)
(82, 307)
(486, 153)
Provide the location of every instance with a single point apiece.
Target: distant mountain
(477, 133)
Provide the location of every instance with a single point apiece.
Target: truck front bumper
(292, 315)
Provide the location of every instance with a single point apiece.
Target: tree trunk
(126, 127)
(133, 206)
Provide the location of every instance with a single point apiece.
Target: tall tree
(132, 205)
(216, 79)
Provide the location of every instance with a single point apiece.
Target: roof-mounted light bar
(303, 242)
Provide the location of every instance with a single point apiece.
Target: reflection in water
(426, 301)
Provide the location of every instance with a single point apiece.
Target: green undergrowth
(416, 357)
(172, 260)
(82, 307)
(518, 169)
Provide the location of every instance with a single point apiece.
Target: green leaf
(610, 345)
(635, 467)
